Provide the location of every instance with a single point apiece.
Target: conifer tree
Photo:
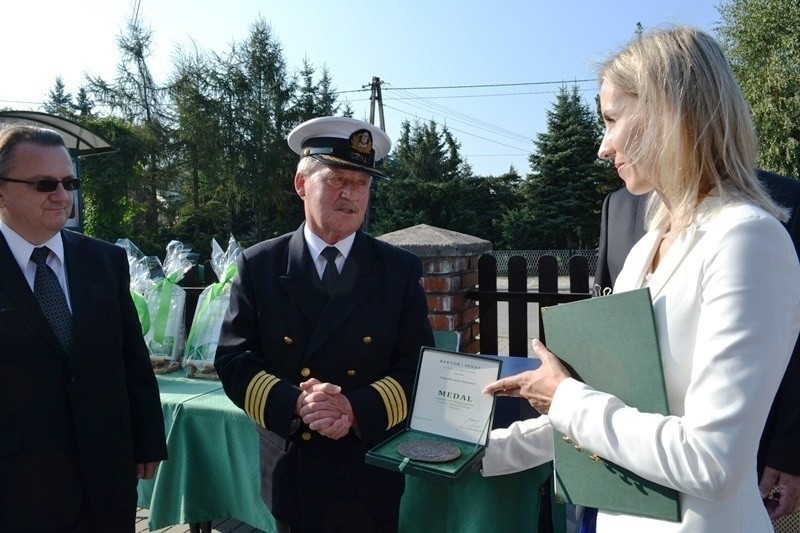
(431, 183)
(59, 100)
(565, 188)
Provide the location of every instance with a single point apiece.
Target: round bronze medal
(428, 450)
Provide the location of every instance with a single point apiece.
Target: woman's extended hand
(537, 386)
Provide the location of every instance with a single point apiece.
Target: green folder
(610, 343)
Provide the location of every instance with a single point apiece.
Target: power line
(466, 119)
(522, 150)
(448, 118)
(560, 82)
(451, 96)
(20, 102)
(461, 117)
(136, 10)
(455, 96)
(497, 155)
(449, 114)
(425, 88)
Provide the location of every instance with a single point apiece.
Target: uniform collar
(316, 245)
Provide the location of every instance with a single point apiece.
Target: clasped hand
(537, 386)
(325, 409)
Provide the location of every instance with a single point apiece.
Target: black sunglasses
(49, 184)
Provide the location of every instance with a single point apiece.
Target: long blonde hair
(692, 129)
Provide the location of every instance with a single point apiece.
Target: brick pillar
(449, 270)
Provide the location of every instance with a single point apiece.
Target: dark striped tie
(331, 273)
(51, 298)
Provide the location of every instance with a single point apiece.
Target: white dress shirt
(317, 245)
(22, 249)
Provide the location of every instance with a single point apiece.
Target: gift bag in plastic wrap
(140, 281)
(166, 301)
(201, 344)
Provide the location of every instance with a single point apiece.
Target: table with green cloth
(213, 473)
(474, 504)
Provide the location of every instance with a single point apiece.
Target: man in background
(79, 406)
(622, 224)
(322, 339)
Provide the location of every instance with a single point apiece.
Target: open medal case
(448, 426)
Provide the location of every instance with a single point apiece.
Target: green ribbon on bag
(214, 291)
(165, 288)
(141, 310)
(227, 277)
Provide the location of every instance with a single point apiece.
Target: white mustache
(342, 203)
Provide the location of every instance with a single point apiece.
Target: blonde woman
(723, 276)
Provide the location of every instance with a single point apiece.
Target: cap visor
(341, 163)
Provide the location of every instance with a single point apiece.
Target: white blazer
(726, 298)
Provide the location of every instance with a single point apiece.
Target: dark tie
(51, 298)
(331, 273)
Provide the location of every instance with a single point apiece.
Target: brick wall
(446, 281)
(449, 270)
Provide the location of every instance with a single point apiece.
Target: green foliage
(59, 100)
(106, 191)
(565, 189)
(485, 201)
(134, 93)
(137, 99)
(314, 99)
(204, 156)
(84, 105)
(761, 39)
(519, 228)
(261, 118)
(201, 208)
(431, 184)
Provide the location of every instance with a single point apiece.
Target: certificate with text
(448, 400)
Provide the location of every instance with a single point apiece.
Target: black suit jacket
(281, 329)
(74, 423)
(622, 224)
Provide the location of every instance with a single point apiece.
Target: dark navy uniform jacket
(282, 329)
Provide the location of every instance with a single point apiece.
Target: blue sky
(515, 47)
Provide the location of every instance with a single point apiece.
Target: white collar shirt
(21, 249)
(317, 245)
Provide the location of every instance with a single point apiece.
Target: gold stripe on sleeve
(255, 398)
(387, 402)
(394, 400)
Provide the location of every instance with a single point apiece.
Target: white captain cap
(341, 142)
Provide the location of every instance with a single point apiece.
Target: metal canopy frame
(78, 139)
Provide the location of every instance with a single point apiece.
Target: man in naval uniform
(322, 338)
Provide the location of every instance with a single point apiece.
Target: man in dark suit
(321, 341)
(622, 224)
(79, 407)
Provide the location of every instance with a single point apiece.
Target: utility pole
(375, 96)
